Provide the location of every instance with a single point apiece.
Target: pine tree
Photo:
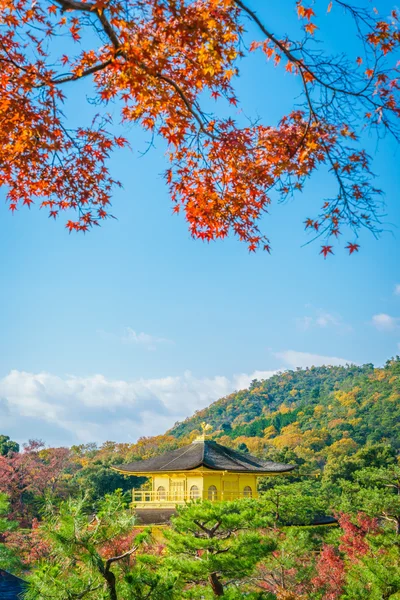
(213, 547)
(92, 555)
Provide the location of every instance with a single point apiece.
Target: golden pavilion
(201, 470)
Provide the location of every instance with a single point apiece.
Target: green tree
(375, 576)
(371, 455)
(7, 445)
(375, 492)
(98, 479)
(298, 503)
(8, 558)
(91, 555)
(213, 546)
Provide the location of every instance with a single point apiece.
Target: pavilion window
(161, 493)
(212, 492)
(177, 490)
(230, 490)
(194, 492)
(248, 492)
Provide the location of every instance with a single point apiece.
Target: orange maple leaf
(310, 28)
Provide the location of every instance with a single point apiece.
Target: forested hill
(329, 421)
(315, 413)
(340, 426)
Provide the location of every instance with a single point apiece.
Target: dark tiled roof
(11, 587)
(204, 454)
(319, 520)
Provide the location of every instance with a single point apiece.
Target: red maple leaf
(326, 250)
(352, 247)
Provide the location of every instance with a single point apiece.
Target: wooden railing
(149, 497)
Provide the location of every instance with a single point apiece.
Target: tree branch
(90, 71)
(114, 559)
(76, 5)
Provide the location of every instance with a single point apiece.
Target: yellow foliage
(269, 432)
(255, 445)
(347, 398)
(380, 375)
(239, 420)
(335, 423)
(395, 397)
(290, 437)
(342, 447)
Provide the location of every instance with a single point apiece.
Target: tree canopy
(7, 445)
(162, 62)
(217, 544)
(329, 530)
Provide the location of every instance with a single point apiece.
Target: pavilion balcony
(157, 499)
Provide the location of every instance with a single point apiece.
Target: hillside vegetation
(316, 416)
(330, 421)
(339, 425)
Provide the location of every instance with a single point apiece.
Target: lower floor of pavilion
(177, 488)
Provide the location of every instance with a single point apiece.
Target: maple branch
(75, 77)
(92, 8)
(294, 59)
(110, 32)
(343, 193)
(76, 5)
(108, 29)
(187, 103)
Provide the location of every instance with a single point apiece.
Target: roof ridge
(207, 453)
(238, 462)
(179, 456)
(250, 458)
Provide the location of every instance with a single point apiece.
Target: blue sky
(123, 331)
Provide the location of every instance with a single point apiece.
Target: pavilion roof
(205, 453)
(11, 587)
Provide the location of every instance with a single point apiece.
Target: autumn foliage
(28, 474)
(339, 425)
(160, 62)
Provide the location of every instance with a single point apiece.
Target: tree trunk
(110, 580)
(216, 585)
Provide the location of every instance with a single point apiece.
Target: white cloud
(130, 336)
(397, 289)
(322, 319)
(143, 339)
(68, 410)
(304, 359)
(384, 322)
(242, 381)
(304, 323)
